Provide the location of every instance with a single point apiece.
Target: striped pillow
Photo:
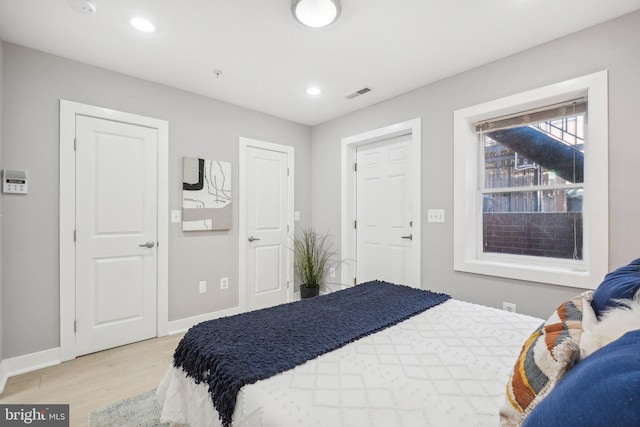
(546, 355)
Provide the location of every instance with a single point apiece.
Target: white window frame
(586, 273)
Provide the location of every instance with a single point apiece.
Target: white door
(384, 234)
(116, 226)
(268, 209)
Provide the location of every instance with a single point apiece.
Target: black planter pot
(306, 292)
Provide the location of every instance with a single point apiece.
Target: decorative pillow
(620, 284)
(545, 356)
(602, 390)
(614, 322)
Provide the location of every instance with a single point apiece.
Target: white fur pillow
(613, 323)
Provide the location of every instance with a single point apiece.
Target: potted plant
(313, 254)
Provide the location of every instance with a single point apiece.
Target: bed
(452, 363)
(446, 365)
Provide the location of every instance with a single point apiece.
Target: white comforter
(445, 367)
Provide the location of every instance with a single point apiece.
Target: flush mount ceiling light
(315, 13)
(142, 24)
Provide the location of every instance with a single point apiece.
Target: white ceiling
(268, 59)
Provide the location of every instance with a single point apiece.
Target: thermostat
(14, 181)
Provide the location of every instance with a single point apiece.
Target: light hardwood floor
(95, 380)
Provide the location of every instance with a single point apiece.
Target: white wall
(198, 126)
(613, 45)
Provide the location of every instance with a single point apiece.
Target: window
(531, 186)
(532, 182)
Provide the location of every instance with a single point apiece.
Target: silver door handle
(147, 245)
(409, 237)
(251, 238)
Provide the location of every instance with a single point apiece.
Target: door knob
(251, 238)
(147, 245)
(409, 237)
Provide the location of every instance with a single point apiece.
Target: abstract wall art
(206, 195)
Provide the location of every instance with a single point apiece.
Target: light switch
(176, 216)
(435, 215)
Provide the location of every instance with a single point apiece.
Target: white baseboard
(43, 359)
(332, 287)
(182, 325)
(28, 363)
(3, 376)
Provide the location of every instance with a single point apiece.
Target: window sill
(570, 273)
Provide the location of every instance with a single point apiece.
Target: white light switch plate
(435, 215)
(176, 216)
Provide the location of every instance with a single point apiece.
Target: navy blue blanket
(230, 352)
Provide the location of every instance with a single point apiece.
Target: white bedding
(447, 366)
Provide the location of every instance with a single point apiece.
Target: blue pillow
(622, 283)
(601, 390)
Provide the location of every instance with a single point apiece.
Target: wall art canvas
(206, 194)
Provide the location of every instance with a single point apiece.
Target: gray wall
(198, 126)
(33, 82)
(613, 46)
(1, 296)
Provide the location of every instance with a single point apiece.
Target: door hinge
(288, 171)
(287, 228)
(75, 324)
(355, 224)
(355, 167)
(74, 235)
(354, 281)
(75, 144)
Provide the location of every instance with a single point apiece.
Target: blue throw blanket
(230, 352)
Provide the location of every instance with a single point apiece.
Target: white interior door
(116, 233)
(267, 227)
(384, 209)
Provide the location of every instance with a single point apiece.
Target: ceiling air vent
(357, 93)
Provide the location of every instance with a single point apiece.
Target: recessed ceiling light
(313, 90)
(142, 24)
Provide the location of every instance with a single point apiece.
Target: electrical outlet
(224, 283)
(509, 306)
(203, 286)
(332, 272)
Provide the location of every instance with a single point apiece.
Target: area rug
(142, 410)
